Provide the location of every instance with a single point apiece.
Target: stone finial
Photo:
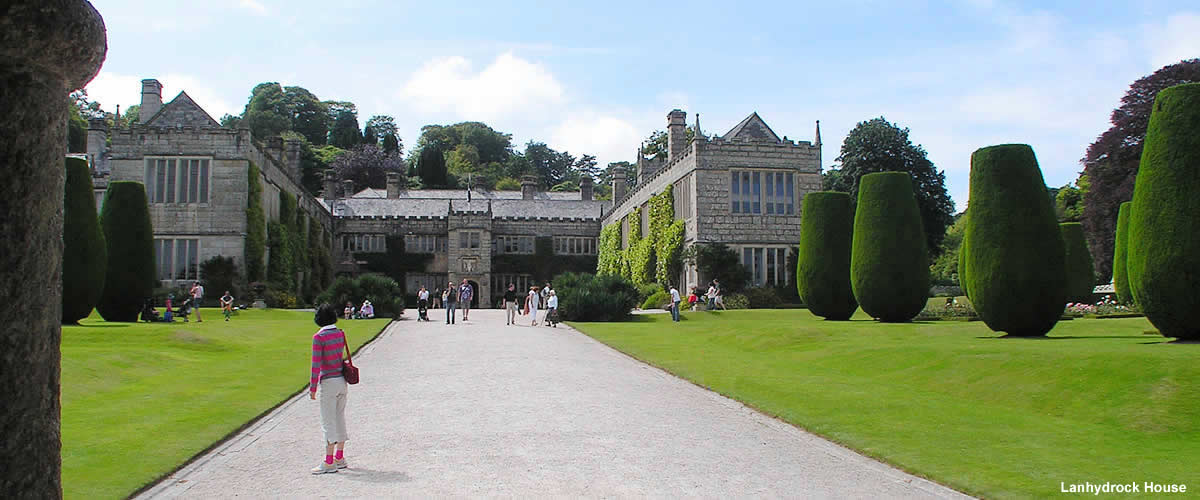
(528, 187)
(393, 185)
(817, 139)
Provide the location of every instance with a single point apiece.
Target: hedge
(1079, 269)
(85, 256)
(962, 260)
(889, 262)
(823, 268)
(586, 297)
(383, 292)
(256, 227)
(129, 239)
(1013, 256)
(1163, 256)
(1120, 250)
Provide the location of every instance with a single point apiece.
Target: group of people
(545, 298)
(453, 298)
(366, 311)
(713, 298)
(189, 306)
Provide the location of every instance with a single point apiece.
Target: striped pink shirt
(329, 345)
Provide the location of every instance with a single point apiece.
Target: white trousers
(333, 409)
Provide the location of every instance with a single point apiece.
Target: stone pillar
(347, 188)
(585, 188)
(676, 134)
(393, 184)
(292, 158)
(528, 187)
(151, 99)
(48, 49)
(330, 178)
(619, 186)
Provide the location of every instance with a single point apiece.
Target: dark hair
(326, 315)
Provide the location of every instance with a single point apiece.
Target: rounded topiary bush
(889, 262)
(1080, 277)
(129, 237)
(84, 254)
(1120, 250)
(1163, 259)
(1013, 261)
(823, 260)
(586, 297)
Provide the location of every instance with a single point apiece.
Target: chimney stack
(585, 188)
(528, 187)
(393, 185)
(151, 99)
(292, 158)
(619, 186)
(347, 188)
(676, 134)
(330, 179)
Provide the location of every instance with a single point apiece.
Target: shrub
(656, 300)
(219, 274)
(647, 290)
(736, 301)
(85, 256)
(586, 297)
(383, 292)
(1163, 256)
(761, 298)
(1080, 278)
(718, 261)
(823, 266)
(1120, 277)
(278, 297)
(1013, 265)
(129, 239)
(889, 262)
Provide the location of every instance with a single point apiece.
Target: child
(168, 314)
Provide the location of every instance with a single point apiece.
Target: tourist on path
(465, 294)
(450, 297)
(328, 345)
(718, 299)
(423, 304)
(675, 303)
(510, 304)
(552, 310)
(544, 295)
(197, 294)
(531, 303)
(227, 304)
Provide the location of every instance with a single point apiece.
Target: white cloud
(112, 89)
(1176, 40)
(609, 137)
(509, 85)
(253, 6)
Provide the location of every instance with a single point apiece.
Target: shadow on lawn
(1065, 337)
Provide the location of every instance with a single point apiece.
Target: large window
(762, 192)
(177, 180)
(513, 244)
(424, 243)
(574, 245)
(500, 285)
(363, 243)
(177, 259)
(468, 239)
(767, 265)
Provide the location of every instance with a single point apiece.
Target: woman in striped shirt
(328, 346)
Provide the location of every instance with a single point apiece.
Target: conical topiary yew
(823, 261)
(1163, 259)
(130, 239)
(1014, 266)
(889, 262)
(85, 257)
(1120, 250)
(1079, 269)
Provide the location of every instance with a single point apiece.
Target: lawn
(139, 399)
(1098, 401)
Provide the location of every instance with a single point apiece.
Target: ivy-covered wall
(608, 260)
(256, 226)
(654, 258)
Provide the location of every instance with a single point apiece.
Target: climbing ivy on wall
(649, 259)
(608, 259)
(256, 226)
(670, 248)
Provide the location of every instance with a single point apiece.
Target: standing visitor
(450, 298)
(423, 304)
(531, 303)
(197, 294)
(227, 304)
(510, 304)
(465, 294)
(544, 295)
(437, 298)
(552, 310)
(711, 295)
(718, 299)
(327, 348)
(675, 303)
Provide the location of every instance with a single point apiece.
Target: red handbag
(349, 371)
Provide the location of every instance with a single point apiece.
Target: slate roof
(182, 111)
(752, 129)
(461, 194)
(436, 202)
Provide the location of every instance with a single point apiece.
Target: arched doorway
(474, 294)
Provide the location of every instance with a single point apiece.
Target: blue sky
(597, 77)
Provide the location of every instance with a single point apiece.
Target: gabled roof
(182, 111)
(752, 129)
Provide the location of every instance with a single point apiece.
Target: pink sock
(339, 455)
(329, 459)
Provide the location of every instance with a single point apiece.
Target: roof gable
(182, 111)
(752, 129)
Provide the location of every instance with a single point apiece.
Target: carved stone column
(47, 49)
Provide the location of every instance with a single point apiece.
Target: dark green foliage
(320, 264)
(256, 226)
(823, 267)
(383, 292)
(84, 253)
(648, 289)
(718, 261)
(889, 262)
(656, 300)
(219, 274)
(431, 166)
(76, 131)
(280, 264)
(1163, 260)
(1014, 260)
(129, 237)
(1120, 275)
(587, 297)
(766, 297)
(1080, 280)
(544, 264)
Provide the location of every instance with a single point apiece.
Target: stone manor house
(743, 189)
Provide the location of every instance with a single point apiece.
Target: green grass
(140, 399)
(1001, 418)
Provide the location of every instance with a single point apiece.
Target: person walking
(531, 302)
(197, 294)
(718, 299)
(227, 304)
(711, 296)
(328, 347)
(552, 310)
(544, 294)
(465, 293)
(450, 298)
(510, 304)
(423, 304)
(675, 303)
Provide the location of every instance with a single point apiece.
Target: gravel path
(483, 409)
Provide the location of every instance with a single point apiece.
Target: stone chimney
(585, 188)
(330, 179)
(97, 148)
(151, 99)
(676, 134)
(393, 185)
(619, 186)
(292, 156)
(528, 187)
(347, 188)
(275, 150)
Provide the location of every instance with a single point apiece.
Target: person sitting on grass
(367, 311)
(149, 315)
(348, 312)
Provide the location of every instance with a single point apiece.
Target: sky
(599, 77)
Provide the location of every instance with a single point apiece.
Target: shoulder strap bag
(349, 371)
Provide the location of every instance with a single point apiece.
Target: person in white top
(675, 303)
(531, 302)
(552, 309)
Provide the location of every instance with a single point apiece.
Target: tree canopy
(367, 165)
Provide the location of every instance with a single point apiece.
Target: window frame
(178, 180)
(762, 192)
